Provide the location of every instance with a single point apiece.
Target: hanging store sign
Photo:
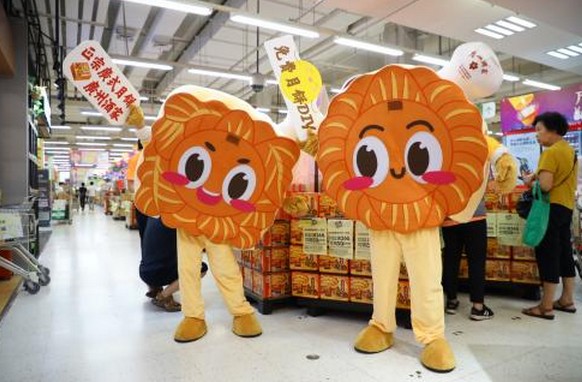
(362, 242)
(340, 238)
(95, 75)
(315, 237)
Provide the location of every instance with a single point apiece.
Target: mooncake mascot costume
(400, 150)
(216, 171)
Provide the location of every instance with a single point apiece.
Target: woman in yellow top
(557, 174)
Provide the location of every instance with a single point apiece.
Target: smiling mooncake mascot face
(401, 149)
(215, 167)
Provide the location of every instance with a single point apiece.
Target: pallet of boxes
(330, 260)
(508, 260)
(265, 269)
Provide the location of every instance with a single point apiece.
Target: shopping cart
(17, 230)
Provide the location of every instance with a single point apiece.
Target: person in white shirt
(91, 194)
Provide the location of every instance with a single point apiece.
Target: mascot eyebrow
(370, 127)
(420, 122)
(210, 146)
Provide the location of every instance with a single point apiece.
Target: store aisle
(93, 323)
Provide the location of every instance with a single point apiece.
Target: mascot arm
(505, 172)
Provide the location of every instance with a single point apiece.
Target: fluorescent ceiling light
(335, 90)
(56, 143)
(150, 117)
(568, 52)
(283, 111)
(509, 25)
(522, 22)
(92, 113)
(57, 151)
(90, 149)
(144, 98)
(133, 130)
(213, 73)
(181, 6)
(123, 145)
(129, 139)
(558, 55)
(510, 78)
(101, 128)
(93, 138)
(142, 64)
(90, 144)
(277, 26)
(368, 46)
(263, 110)
(541, 85)
(59, 127)
(575, 48)
(498, 29)
(83, 165)
(430, 60)
(488, 33)
(122, 150)
(272, 82)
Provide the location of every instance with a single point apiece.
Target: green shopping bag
(538, 218)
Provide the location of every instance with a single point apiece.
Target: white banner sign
(303, 113)
(362, 242)
(95, 75)
(340, 238)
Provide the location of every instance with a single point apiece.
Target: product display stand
(266, 306)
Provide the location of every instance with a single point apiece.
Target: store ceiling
(126, 29)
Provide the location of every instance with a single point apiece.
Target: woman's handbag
(536, 224)
(524, 204)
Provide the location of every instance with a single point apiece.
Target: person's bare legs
(171, 289)
(549, 291)
(567, 297)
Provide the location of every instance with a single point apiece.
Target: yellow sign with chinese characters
(300, 81)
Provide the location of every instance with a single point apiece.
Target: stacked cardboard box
(328, 277)
(265, 269)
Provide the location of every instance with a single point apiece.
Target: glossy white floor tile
(93, 323)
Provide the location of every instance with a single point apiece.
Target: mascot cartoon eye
(195, 164)
(423, 155)
(371, 160)
(239, 184)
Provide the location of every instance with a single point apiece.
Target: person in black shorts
(82, 196)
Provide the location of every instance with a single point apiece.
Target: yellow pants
(421, 252)
(224, 268)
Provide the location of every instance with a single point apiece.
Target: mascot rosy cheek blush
(216, 171)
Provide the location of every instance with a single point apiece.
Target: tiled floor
(92, 323)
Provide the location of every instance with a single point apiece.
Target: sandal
(166, 303)
(538, 312)
(564, 308)
(153, 291)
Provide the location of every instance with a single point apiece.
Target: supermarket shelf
(265, 306)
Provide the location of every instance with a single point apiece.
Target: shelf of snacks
(330, 259)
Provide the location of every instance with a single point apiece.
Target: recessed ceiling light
(368, 46)
(558, 55)
(498, 29)
(488, 33)
(568, 52)
(509, 25)
(541, 85)
(522, 22)
(575, 48)
(510, 78)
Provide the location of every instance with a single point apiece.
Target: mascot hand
(296, 206)
(505, 173)
(136, 117)
(311, 145)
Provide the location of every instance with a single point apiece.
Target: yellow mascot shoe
(246, 326)
(373, 340)
(190, 329)
(438, 356)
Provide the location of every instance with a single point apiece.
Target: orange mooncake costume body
(400, 150)
(216, 171)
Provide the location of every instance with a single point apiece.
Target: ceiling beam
(109, 29)
(93, 18)
(147, 34)
(204, 35)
